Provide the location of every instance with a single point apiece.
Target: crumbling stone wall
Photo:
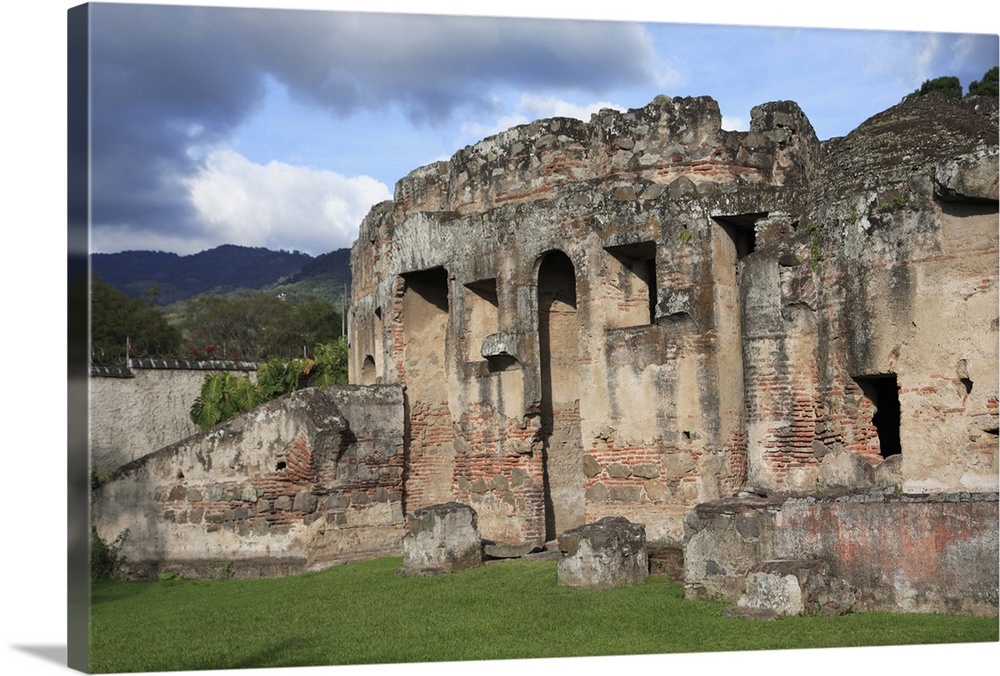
(603, 555)
(886, 290)
(593, 254)
(300, 483)
(136, 410)
(645, 312)
(911, 553)
(634, 317)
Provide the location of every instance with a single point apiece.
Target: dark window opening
(486, 289)
(967, 383)
(501, 362)
(740, 229)
(788, 260)
(281, 465)
(883, 392)
(431, 285)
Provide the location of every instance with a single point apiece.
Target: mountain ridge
(227, 268)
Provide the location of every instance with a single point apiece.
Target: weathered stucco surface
(918, 553)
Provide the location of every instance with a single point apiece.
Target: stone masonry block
(771, 594)
(440, 539)
(602, 555)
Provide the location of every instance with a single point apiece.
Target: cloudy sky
(281, 127)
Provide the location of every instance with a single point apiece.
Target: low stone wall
(301, 483)
(136, 410)
(910, 553)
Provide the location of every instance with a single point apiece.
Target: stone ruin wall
(301, 483)
(890, 292)
(638, 314)
(492, 456)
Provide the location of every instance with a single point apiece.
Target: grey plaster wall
(138, 410)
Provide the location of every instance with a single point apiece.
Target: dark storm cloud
(431, 65)
(168, 81)
(163, 79)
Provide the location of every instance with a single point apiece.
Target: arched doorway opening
(559, 354)
(368, 370)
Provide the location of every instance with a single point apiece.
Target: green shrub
(224, 395)
(948, 85)
(988, 86)
(105, 557)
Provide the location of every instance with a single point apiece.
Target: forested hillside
(224, 269)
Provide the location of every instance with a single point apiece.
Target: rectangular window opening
(425, 319)
(740, 228)
(630, 284)
(431, 285)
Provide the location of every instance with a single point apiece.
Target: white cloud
(668, 75)
(537, 107)
(926, 59)
(280, 206)
(531, 107)
(734, 123)
(964, 47)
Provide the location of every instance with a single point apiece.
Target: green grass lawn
(363, 614)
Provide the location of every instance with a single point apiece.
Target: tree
(117, 320)
(948, 85)
(988, 85)
(257, 327)
(331, 364)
